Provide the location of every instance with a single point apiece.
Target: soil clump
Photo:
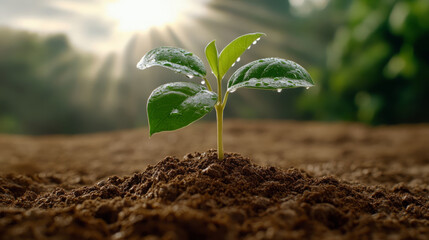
(200, 197)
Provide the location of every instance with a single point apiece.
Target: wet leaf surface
(176, 105)
(176, 59)
(234, 50)
(212, 57)
(270, 74)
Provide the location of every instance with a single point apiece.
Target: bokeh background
(68, 66)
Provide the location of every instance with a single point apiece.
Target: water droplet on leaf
(174, 111)
(202, 82)
(279, 90)
(238, 59)
(190, 76)
(254, 42)
(307, 87)
(233, 90)
(258, 39)
(249, 47)
(233, 65)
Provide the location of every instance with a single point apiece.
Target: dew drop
(258, 39)
(279, 90)
(190, 76)
(307, 87)
(174, 111)
(233, 90)
(233, 65)
(254, 42)
(202, 82)
(238, 59)
(249, 47)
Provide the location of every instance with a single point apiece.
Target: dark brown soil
(350, 182)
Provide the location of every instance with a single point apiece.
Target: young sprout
(176, 105)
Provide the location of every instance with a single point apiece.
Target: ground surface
(290, 180)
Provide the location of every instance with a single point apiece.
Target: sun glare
(134, 15)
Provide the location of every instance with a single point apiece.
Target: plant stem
(219, 119)
(209, 87)
(225, 99)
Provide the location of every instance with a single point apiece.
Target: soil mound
(200, 197)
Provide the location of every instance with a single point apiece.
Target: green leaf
(176, 105)
(212, 57)
(233, 51)
(176, 59)
(270, 73)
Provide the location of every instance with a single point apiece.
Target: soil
(291, 180)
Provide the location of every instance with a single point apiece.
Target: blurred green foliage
(42, 83)
(377, 68)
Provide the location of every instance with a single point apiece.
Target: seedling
(176, 105)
